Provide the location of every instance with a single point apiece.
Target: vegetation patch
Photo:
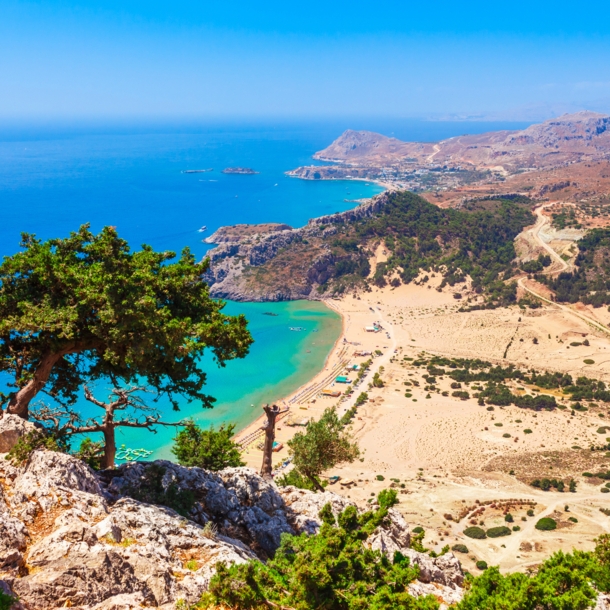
(546, 524)
(497, 532)
(475, 532)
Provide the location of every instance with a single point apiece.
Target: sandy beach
(445, 454)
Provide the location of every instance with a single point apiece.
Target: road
(560, 265)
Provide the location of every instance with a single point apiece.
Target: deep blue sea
(55, 177)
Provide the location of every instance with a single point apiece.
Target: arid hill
(567, 139)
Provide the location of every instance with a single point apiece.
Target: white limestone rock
(12, 428)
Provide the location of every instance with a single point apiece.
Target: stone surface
(12, 428)
(87, 544)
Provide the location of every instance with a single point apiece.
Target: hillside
(333, 254)
(567, 139)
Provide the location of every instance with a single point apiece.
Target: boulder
(12, 428)
(303, 507)
(12, 537)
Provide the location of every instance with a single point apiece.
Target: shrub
(459, 548)
(294, 477)
(362, 398)
(481, 565)
(475, 532)
(530, 512)
(516, 528)
(380, 477)
(506, 435)
(508, 518)
(6, 601)
(527, 431)
(496, 532)
(605, 490)
(588, 361)
(210, 449)
(546, 524)
(387, 498)
(573, 519)
(30, 442)
(418, 529)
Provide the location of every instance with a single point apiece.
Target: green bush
(516, 528)
(527, 431)
(6, 601)
(209, 449)
(588, 361)
(362, 398)
(605, 490)
(573, 519)
(387, 498)
(30, 442)
(497, 532)
(546, 524)
(294, 477)
(459, 548)
(506, 435)
(380, 477)
(333, 569)
(530, 512)
(508, 518)
(475, 532)
(418, 529)
(481, 565)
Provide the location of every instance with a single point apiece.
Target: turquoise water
(53, 178)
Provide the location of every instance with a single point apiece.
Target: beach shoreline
(312, 382)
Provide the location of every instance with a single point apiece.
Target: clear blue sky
(184, 59)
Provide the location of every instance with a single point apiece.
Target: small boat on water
(203, 228)
(296, 328)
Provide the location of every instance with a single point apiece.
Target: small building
(342, 379)
(331, 393)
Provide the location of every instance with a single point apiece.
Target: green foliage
(497, 532)
(590, 281)
(459, 548)
(293, 477)
(324, 444)
(508, 518)
(547, 484)
(546, 524)
(562, 582)
(152, 491)
(332, 569)
(481, 565)
(210, 449)
(91, 452)
(475, 532)
(86, 307)
(377, 381)
(6, 601)
(362, 398)
(387, 498)
(41, 438)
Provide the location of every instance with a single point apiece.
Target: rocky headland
(71, 537)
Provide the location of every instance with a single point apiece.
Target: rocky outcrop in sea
(72, 537)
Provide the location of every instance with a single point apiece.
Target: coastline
(292, 398)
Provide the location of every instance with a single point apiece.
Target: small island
(239, 170)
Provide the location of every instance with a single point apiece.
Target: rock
(243, 505)
(602, 602)
(394, 537)
(12, 537)
(445, 570)
(12, 428)
(445, 595)
(303, 507)
(79, 579)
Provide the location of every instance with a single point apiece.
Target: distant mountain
(567, 139)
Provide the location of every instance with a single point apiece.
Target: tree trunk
(269, 427)
(20, 402)
(109, 447)
(315, 483)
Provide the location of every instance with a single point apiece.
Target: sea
(55, 177)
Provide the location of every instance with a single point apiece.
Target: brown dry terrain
(567, 139)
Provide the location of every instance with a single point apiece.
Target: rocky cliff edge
(72, 537)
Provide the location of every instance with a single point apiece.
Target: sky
(195, 59)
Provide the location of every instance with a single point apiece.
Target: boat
(270, 313)
(203, 228)
(297, 328)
